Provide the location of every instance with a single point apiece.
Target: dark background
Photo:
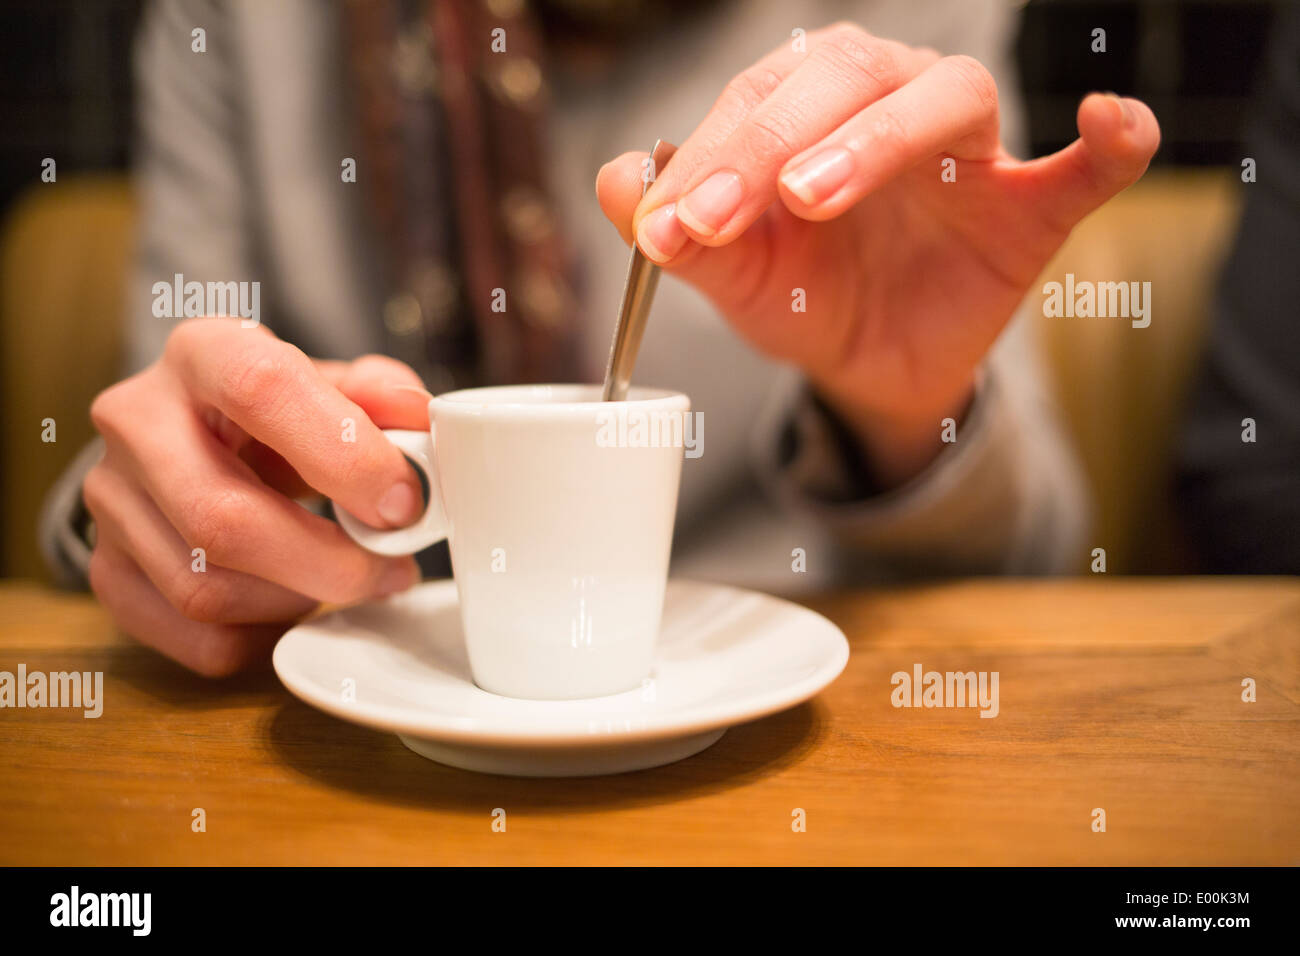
(1194, 62)
(65, 76)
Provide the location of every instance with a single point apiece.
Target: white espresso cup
(558, 509)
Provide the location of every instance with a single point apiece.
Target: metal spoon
(638, 292)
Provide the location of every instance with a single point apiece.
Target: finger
(215, 502)
(1118, 137)
(213, 650)
(276, 473)
(726, 274)
(618, 189)
(726, 192)
(200, 591)
(388, 391)
(742, 94)
(266, 463)
(951, 107)
(619, 182)
(275, 393)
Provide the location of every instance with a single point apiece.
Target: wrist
(897, 444)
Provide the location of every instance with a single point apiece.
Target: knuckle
(94, 493)
(867, 62)
(199, 336)
(771, 138)
(219, 522)
(101, 409)
(846, 30)
(199, 596)
(108, 411)
(971, 73)
(262, 380)
(888, 126)
(750, 87)
(180, 337)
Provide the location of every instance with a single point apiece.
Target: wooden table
(1120, 694)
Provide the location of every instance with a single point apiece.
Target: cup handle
(429, 528)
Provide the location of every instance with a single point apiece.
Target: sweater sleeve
(1005, 497)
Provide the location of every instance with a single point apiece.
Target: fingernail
(1127, 116)
(819, 177)
(400, 505)
(1130, 117)
(398, 576)
(709, 206)
(660, 235)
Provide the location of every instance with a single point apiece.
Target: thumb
(724, 273)
(1117, 138)
(618, 189)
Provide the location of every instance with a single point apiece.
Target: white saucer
(725, 656)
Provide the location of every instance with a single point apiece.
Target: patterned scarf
(450, 110)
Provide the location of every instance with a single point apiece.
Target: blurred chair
(63, 261)
(1122, 389)
(63, 258)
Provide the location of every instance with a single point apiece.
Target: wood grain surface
(1120, 694)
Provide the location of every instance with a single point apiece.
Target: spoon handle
(638, 292)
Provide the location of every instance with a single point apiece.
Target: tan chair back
(63, 261)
